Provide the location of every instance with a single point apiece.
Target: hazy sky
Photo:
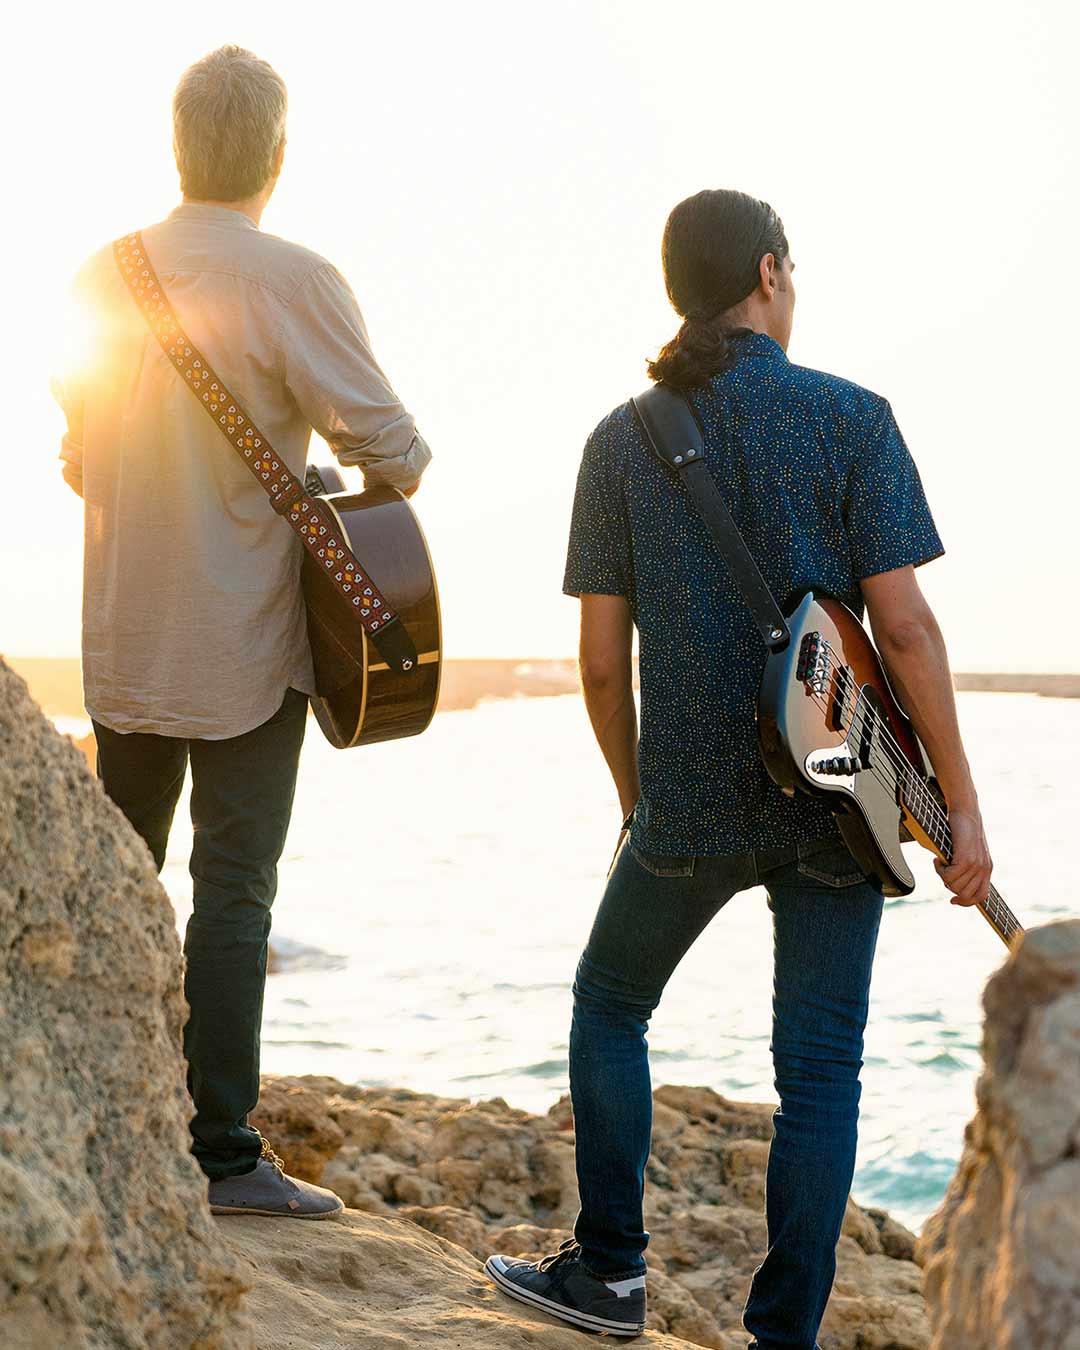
(494, 179)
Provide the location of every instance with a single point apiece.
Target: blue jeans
(825, 924)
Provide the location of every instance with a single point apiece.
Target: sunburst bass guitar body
(829, 724)
(359, 700)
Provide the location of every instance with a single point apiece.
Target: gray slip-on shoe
(269, 1192)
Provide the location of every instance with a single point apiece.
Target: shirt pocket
(832, 866)
(662, 865)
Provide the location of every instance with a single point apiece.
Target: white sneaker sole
(578, 1319)
(274, 1213)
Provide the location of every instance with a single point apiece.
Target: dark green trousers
(241, 801)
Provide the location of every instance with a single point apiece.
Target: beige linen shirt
(193, 617)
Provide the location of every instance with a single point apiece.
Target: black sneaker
(561, 1286)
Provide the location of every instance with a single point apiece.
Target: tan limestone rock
(1002, 1255)
(495, 1179)
(452, 1224)
(895, 1239)
(296, 1121)
(105, 1237)
(368, 1283)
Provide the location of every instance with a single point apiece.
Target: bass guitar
(361, 698)
(830, 725)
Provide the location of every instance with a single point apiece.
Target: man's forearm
(613, 715)
(918, 665)
(913, 650)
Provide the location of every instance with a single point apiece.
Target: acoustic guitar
(830, 725)
(360, 699)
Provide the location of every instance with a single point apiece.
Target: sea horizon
(56, 681)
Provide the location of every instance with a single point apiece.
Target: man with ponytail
(822, 487)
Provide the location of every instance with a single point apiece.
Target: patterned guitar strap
(317, 527)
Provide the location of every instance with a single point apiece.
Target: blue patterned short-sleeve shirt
(820, 482)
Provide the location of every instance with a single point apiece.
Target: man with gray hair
(194, 631)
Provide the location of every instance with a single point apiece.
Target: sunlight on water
(436, 893)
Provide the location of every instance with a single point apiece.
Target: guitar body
(826, 697)
(359, 699)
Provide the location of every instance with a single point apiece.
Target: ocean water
(435, 895)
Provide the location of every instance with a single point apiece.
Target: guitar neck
(1000, 917)
(933, 822)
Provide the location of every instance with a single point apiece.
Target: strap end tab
(395, 646)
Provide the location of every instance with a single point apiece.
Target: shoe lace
(567, 1252)
(269, 1154)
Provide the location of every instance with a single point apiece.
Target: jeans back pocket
(832, 866)
(662, 866)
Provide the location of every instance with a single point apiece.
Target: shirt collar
(224, 215)
(747, 343)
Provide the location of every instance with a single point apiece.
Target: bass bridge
(815, 657)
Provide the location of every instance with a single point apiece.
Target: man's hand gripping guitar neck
(910, 643)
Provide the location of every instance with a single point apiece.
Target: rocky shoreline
(491, 1178)
(106, 1239)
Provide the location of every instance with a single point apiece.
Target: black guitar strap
(672, 431)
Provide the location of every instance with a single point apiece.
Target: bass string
(913, 780)
(901, 765)
(995, 904)
(904, 767)
(895, 751)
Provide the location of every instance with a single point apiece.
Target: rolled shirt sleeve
(886, 513)
(341, 390)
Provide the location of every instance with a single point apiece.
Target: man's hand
(968, 875)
